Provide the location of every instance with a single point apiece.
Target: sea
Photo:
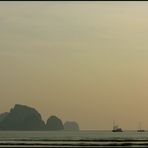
(73, 139)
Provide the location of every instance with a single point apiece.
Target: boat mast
(113, 123)
(139, 125)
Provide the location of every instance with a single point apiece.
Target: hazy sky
(82, 61)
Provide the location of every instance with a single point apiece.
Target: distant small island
(23, 117)
(71, 126)
(54, 123)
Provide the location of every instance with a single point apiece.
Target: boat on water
(140, 129)
(116, 128)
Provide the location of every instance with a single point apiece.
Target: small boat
(140, 130)
(116, 128)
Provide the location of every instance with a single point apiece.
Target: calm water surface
(75, 139)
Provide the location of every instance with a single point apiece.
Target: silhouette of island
(54, 123)
(3, 115)
(22, 117)
(71, 126)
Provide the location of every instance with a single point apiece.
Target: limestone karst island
(23, 117)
